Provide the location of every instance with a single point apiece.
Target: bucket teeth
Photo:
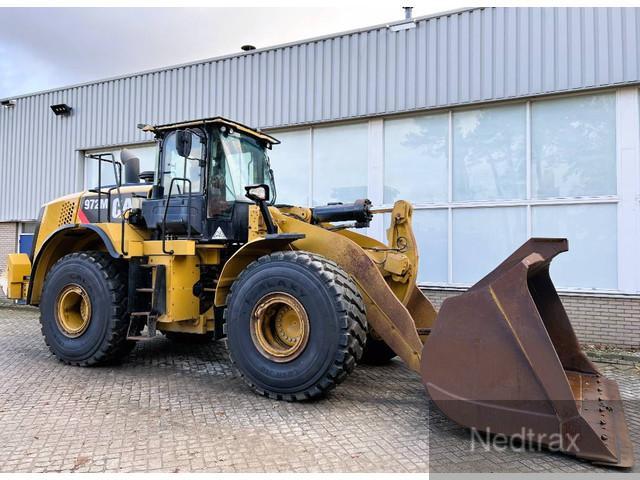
(503, 358)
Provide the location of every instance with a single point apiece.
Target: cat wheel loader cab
(201, 250)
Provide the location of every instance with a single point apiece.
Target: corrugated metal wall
(470, 56)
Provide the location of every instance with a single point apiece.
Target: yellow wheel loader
(201, 249)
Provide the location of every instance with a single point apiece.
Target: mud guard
(503, 358)
(243, 257)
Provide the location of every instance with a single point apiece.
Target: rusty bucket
(502, 358)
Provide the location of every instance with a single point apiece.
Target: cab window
(246, 162)
(237, 160)
(176, 166)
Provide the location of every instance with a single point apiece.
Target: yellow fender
(243, 257)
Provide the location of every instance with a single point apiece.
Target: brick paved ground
(173, 408)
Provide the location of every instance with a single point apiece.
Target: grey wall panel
(464, 57)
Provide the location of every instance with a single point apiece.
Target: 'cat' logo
(117, 209)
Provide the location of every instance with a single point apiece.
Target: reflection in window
(416, 152)
(591, 261)
(340, 163)
(484, 237)
(291, 164)
(573, 146)
(176, 166)
(432, 233)
(489, 154)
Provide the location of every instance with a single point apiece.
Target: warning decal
(219, 235)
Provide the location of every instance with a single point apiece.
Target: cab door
(182, 179)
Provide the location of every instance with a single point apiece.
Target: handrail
(124, 212)
(124, 252)
(117, 175)
(111, 189)
(166, 210)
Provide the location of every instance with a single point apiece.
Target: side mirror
(183, 143)
(257, 193)
(260, 195)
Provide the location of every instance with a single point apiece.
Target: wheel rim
(73, 312)
(279, 327)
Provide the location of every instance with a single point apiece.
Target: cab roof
(220, 121)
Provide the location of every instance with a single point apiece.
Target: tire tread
(349, 305)
(115, 345)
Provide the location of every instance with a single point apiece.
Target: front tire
(83, 309)
(296, 325)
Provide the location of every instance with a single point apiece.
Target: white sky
(43, 48)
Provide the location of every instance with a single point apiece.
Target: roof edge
(231, 123)
(243, 54)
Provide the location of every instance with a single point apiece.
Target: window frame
(325, 127)
(627, 197)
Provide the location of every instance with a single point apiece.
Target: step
(140, 314)
(144, 290)
(140, 338)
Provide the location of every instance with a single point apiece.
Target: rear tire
(322, 325)
(377, 352)
(83, 309)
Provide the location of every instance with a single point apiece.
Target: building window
(573, 148)
(592, 233)
(489, 154)
(291, 164)
(481, 180)
(483, 237)
(416, 147)
(340, 163)
(539, 168)
(431, 232)
(28, 227)
(146, 154)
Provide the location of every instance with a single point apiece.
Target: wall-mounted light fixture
(8, 103)
(61, 109)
